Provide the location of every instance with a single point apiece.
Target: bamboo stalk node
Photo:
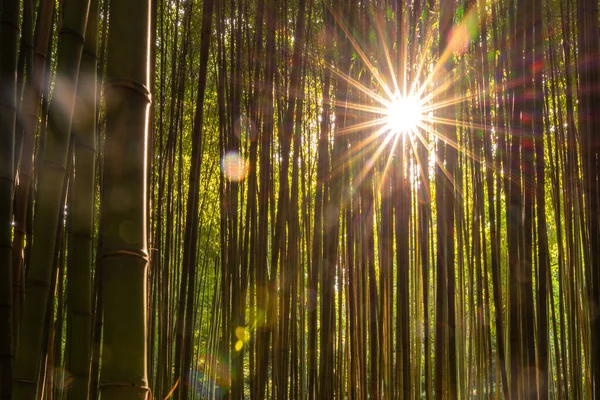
(81, 235)
(91, 54)
(37, 283)
(55, 165)
(11, 107)
(11, 24)
(25, 381)
(132, 85)
(131, 253)
(81, 145)
(123, 384)
(81, 313)
(27, 112)
(74, 33)
(19, 230)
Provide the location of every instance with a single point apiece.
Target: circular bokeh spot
(234, 166)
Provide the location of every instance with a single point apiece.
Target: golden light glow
(406, 107)
(404, 114)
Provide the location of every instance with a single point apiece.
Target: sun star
(404, 114)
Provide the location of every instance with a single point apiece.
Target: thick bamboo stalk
(30, 109)
(125, 257)
(50, 191)
(81, 224)
(9, 32)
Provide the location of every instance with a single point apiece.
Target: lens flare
(234, 166)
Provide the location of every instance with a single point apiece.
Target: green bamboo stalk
(81, 216)
(191, 225)
(24, 70)
(50, 189)
(9, 32)
(125, 257)
(30, 109)
(588, 124)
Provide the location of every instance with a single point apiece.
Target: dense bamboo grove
(303, 199)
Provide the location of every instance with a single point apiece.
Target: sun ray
(361, 53)
(449, 177)
(357, 85)
(447, 103)
(451, 143)
(416, 79)
(371, 161)
(362, 145)
(477, 158)
(386, 51)
(360, 126)
(456, 123)
(350, 155)
(442, 88)
(420, 167)
(359, 107)
(389, 161)
(454, 46)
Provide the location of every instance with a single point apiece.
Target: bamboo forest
(299, 199)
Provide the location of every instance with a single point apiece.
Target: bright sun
(404, 114)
